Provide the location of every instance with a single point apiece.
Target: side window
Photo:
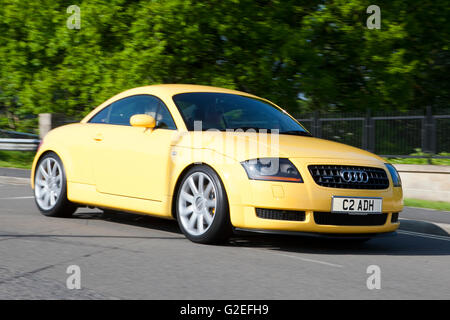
(102, 116)
(123, 110)
(120, 112)
(164, 120)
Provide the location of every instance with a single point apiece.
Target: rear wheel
(50, 187)
(202, 206)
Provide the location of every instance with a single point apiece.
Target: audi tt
(218, 161)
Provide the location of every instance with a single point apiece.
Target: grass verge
(437, 205)
(17, 159)
(440, 162)
(427, 160)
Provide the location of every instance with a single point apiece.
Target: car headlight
(272, 169)
(394, 174)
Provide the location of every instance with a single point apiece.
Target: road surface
(124, 256)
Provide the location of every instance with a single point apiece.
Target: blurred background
(386, 90)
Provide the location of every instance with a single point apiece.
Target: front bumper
(334, 236)
(252, 221)
(309, 197)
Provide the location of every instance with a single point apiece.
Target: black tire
(62, 207)
(220, 229)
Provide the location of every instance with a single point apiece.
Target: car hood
(244, 146)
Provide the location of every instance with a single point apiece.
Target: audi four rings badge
(354, 176)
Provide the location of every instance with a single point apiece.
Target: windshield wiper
(297, 133)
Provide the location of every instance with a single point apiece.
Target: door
(131, 161)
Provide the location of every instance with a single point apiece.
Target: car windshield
(224, 111)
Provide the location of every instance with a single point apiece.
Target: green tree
(303, 55)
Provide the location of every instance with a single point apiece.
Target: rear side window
(102, 116)
(120, 112)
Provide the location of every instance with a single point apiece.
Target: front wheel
(50, 187)
(202, 206)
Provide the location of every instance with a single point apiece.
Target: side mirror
(143, 121)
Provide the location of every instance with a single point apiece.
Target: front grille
(345, 219)
(394, 218)
(330, 176)
(280, 214)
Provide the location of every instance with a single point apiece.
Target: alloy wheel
(48, 183)
(197, 203)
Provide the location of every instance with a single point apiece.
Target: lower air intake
(345, 219)
(280, 214)
(394, 218)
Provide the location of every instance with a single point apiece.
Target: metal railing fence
(18, 141)
(387, 135)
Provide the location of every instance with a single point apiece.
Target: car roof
(173, 89)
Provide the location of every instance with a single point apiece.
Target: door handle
(98, 137)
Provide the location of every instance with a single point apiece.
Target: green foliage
(436, 205)
(17, 159)
(320, 51)
(427, 160)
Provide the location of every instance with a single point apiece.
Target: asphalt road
(13, 172)
(125, 256)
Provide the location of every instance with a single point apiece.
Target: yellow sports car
(217, 161)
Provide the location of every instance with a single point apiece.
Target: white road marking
(313, 261)
(14, 198)
(269, 249)
(424, 235)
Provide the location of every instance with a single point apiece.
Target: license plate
(356, 205)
